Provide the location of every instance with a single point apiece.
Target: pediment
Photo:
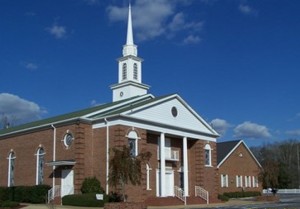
(174, 112)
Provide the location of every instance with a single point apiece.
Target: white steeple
(130, 69)
(129, 48)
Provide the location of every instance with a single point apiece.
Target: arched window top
(124, 71)
(132, 135)
(40, 151)
(207, 147)
(11, 155)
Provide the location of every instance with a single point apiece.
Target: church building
(62, 151)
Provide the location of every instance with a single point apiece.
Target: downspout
(107, 155)
(53, 159)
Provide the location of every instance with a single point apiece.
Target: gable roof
(76, 115)
(225, 149)
(122, 107)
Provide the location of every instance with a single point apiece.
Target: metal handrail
(179, 193)
(200, 192)
(54, 192)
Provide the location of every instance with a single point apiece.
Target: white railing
(53, 192)
(179, 193)
(172, 155)
(283, 191)
(200, 192)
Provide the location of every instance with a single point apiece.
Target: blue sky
(236, 62)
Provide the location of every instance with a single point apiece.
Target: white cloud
(294, 133)
(191, 39)
(57, 31)
(220, 125)
(251, 130)
(247, 10)
(18, 109)
(31, 66)
(155, 18)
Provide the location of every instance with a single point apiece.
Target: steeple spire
(129, 48)
(129, 40)
(130, 69)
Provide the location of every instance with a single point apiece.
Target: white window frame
(11, 168)
(207, 155)
(148, 169)
(239, 181)
(224, 180)
(255, 181)
(133, 136)
(40, 156)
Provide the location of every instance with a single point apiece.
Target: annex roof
(225, 149)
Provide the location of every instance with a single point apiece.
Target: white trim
(156, 128)
(176, 96)
(162, 164)
(10, 158)
(148, 169)
(38, 164)
(209, 149)
(185, 168)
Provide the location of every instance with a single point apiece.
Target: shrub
(91, 185)
(222, 197)
(84, 200)
(114, 197)
(39, 193)
(9, 204)
(241, 194)
(4, 194)
(29, 194)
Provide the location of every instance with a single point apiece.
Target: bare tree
(125, 168)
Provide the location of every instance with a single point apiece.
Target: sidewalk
(231, 202)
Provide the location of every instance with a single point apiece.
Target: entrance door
(67, 182)
(169, 183)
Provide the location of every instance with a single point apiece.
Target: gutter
(107, 155)
(54, 158)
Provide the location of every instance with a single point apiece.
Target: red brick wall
(241, 163)
(89, 152)
(26, 145)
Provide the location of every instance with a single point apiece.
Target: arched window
(135, 71)
(207, 150)
(124, 71)
(133, 143)
(148, 169)
(40, 162)
(11, 168)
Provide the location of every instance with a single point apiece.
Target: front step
(169, 201)
(163, 201)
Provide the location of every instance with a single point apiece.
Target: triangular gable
(233, 149)
(171, 111)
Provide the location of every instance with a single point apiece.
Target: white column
(185, 168)
(162, 185)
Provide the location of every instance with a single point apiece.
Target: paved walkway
(231, 202)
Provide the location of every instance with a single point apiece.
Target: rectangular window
(255, 181)
(224, 180)
(246, 181)
(249, 181)
(239, 181)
